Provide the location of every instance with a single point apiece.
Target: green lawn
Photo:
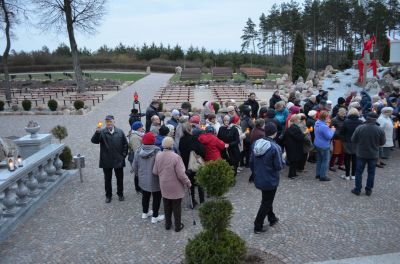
(95, 75)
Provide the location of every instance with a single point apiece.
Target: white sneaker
(157, 219)
(240, 168)
(353, 178)
(145, 216)
(347, 178)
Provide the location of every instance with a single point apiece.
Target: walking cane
(191, 205)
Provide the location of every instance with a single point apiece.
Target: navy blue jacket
(266, 162)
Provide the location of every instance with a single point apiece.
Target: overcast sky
(213, 24)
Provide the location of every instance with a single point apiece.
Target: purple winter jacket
(323, 135)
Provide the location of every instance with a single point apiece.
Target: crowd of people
(358, 131)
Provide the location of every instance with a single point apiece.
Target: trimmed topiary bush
(216, 177)
(216, 244)
(203, 248)
(79, 104)
(26, 105)
(216, 223)
(66, 157)
(1, 105)
(59, 132)
(52, 104)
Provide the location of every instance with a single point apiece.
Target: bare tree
(79, 15)
(10, 11)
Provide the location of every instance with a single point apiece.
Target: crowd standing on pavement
(359, 131)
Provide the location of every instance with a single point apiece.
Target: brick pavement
(319, 221)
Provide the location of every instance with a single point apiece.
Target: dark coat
(266, 162)
(368, 138)
(189, 143)
(338, 123)
(309, 106)
(245, 124)
(230, 135)
(349, 126)
(311, 123)
(254, 107)
(274, 99)
(113, 148)
(150, 111)
(294, 141)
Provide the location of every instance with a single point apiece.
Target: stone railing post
(42, 177)
(32, 185)
(51, 170)
(9, 202)
(58, 164)
(22, 193)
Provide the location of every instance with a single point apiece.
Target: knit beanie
(136, 125)
(148, 139)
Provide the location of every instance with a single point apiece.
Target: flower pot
(33, 131)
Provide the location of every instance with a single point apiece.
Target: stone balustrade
(26, 186)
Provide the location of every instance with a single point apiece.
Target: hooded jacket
(323, 135)
(266, 162)
(212, 146)
(143, 164)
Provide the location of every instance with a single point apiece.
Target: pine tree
(386, 52)
(299, 58)
(249, 37)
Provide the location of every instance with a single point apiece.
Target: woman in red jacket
(212, 145)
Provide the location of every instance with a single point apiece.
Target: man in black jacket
(368, 138)
(311, 103)
(150, 112)
(253, 104)
(113, 150)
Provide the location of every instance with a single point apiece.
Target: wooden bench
(191, 74)
(222, 73)
(253, 72)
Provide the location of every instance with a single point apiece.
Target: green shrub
(60, 132)
(1, 105)
(216, 177)
(204, 248)
(79, 104)
(216, 244)
(66, 157)
(52, 104)
(26, 105)
(216, 223)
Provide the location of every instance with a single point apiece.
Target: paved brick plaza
(319, 221)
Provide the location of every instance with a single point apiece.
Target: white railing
(20, 188)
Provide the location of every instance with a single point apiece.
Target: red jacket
(212, 146)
